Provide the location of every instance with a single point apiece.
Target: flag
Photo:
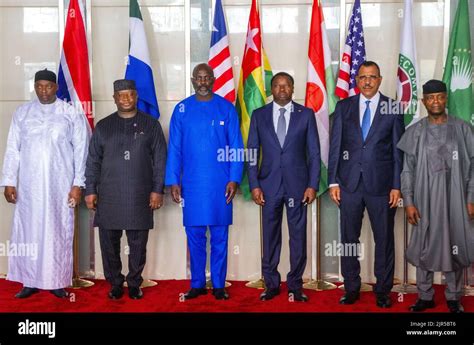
(219, 56)
(74, 84)
(320, 86)
(353, 55)
(458, 68)
(139, 65)
(407, 93)
(254, 74)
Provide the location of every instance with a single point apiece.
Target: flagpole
(468, 290)
(317, 283)
(405, 287)
(77, 282)
(259, 283)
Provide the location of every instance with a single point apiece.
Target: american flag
(219, 56)
(353, 55)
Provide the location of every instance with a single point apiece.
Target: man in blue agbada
(204, 169)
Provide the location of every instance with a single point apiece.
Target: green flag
(458, 68)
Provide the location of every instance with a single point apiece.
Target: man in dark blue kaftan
(204, 168)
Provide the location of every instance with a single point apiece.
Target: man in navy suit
(364, 172)
(287, 136)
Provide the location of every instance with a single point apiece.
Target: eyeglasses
(364, 78)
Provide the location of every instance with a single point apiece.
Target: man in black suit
(364, 172)
(124, 183)
(287, 136)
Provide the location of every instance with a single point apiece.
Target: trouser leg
(296, 213)
(197, 242)
(424, 284)
(110, 250)
(137, 240)
(219, 241)
(454, 284)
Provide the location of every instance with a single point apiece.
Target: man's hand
(230, 191)
(395, 196)
(470, 210)
(10, 194)
(412, 215)
(335, 194)
(91, 201)
(156, 200)
(309, 196)
(176, 193)
(257, 196)
(75, 194)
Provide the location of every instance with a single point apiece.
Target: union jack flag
(353, 55)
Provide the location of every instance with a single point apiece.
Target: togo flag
(254, 81)
(139, 66)
(407, 93)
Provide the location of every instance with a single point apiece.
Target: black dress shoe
(26, 292)
(268, 294)
(422, 305)
(349, 297)
(116, 292)
(220, 293)
(135, 292)
(298, 295)
(383, 300)
(195, 292)
(455, 307)
(59, 293)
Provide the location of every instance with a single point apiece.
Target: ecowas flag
(407, 93)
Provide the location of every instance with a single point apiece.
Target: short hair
(369, 63)
(203, 66)
(283, 74)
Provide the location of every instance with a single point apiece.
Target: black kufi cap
(45, 75)
(434, 86)
(124, 84)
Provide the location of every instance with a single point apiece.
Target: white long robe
(45, 156)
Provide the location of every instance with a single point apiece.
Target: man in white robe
(43, 173)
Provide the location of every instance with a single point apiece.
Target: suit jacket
(376, 159)
(297, 164)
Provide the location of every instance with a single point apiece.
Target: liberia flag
(74, 85)
(353, 55)
(219, 56)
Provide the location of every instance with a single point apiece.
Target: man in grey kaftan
(438, 192)
(124, 183)
(43, 170)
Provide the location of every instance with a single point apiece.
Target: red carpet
(165, 297)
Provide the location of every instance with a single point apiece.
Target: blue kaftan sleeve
(234, 137)
(174, 162)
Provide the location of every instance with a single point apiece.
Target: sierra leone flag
(139, 66)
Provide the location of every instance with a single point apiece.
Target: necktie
(281, 127)
(366, 121)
